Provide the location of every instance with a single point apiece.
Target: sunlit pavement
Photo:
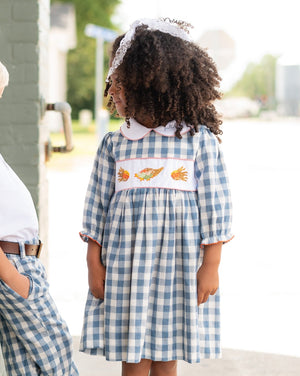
(233, 363)
(260, 279)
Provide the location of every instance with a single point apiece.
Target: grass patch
(78, 128)
(85, 140)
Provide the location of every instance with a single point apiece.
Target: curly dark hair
(168, 79)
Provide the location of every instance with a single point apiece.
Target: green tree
(81, 60)
(258, 82)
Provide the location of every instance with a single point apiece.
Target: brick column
(24, 26)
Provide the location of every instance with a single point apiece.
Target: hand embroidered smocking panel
(155, 173)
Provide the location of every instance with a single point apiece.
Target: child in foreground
(158, 208)
(35, 340)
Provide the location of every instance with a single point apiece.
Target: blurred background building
(288, 86)
(62, 38)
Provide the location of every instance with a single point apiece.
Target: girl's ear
(127, 122)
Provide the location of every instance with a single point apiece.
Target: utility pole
(101, 34)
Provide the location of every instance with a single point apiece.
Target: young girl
(157, 209)
(34, 338)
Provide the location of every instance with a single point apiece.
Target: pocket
(93, 300)
(31, 268)
(30, 284)
(12, 292)
(15, 261)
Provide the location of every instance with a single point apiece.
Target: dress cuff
(215, 239)
(86, 237)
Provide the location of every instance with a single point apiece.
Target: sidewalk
(233, 363)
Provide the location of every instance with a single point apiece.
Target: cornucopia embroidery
(149, 173)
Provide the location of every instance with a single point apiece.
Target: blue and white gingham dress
(151, 241)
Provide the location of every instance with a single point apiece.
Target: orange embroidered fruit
(180, 174)
(123, 175)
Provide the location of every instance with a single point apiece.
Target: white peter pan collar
(138, 131)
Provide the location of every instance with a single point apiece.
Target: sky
(257, 27)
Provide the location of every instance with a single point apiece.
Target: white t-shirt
(18, 219)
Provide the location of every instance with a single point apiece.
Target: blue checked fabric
(151, 247)
(34, 338)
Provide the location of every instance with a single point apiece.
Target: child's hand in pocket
(10, 275)
(207, 282)
(97, 280)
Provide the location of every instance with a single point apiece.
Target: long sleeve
(99, 192)
(213, 191)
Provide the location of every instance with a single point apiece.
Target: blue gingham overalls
(151, 247)
(34, 338)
